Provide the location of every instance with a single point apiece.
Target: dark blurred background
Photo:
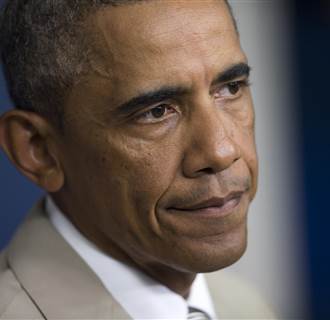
(311, 53)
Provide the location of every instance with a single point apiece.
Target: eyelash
(149, 112)
(240, 83)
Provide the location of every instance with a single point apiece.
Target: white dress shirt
(141, 296)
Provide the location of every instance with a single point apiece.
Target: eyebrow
(169, 92)
(233, 72)
(151, 97)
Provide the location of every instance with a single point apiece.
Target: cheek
(241, 131)
(133, 177)
(140, 172)
(249, 155)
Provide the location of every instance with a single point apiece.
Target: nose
(211, 149)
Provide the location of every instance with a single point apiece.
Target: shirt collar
(141, 296)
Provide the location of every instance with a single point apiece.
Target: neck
(178, 281)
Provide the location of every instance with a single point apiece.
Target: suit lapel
(55, 277)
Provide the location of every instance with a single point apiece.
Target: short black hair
(44, 50)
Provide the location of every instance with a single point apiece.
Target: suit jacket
(42, 277)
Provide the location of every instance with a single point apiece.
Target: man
(137, 120)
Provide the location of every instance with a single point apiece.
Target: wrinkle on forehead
(161, 25)
(185, 38)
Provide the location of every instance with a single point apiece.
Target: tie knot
(197, 314)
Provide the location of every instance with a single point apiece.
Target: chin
(216, 253)
(225, 259)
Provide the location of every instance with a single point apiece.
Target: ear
(30, 143)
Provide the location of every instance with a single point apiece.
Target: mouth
(210, 216)
(213, 206)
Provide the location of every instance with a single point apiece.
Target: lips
(216, 203)
(211, 216)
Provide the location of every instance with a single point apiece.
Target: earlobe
(28, 141)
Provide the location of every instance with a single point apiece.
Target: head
(146, 140)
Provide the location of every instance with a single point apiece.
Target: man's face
(159, 152)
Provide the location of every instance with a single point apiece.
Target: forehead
(162, 22)
(152, 43)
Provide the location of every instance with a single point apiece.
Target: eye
(156, 114)
(231, 90)
(233, 87)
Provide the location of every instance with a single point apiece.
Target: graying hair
(44, 50)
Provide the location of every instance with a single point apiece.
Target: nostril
(208, 170)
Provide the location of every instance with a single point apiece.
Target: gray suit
(42, 277)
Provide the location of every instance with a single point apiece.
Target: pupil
(233, 87)
(158, 111)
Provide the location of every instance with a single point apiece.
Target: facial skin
(134, 178)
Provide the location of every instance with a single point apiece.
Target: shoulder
(14, 301)
(235, 298)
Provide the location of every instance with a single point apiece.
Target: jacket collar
(55, 277)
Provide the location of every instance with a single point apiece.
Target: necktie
(196, 314)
